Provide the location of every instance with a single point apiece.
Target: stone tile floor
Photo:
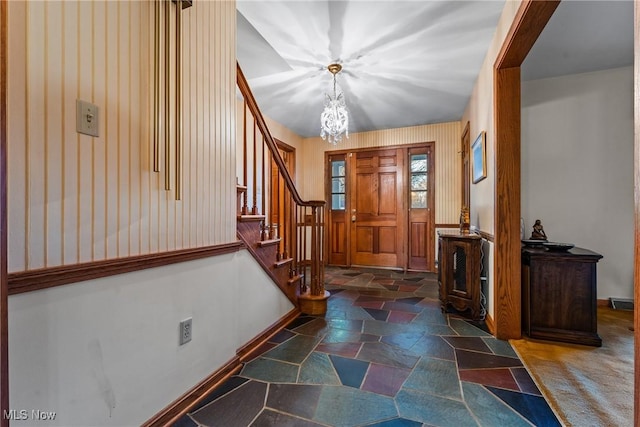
(383, 355)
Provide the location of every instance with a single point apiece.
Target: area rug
(586, 386)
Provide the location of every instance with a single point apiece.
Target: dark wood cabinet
(459, 272)
(559, 298)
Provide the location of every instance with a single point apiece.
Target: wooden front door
(381, 207)
(377, 204)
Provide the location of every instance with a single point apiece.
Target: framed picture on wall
(479, 158)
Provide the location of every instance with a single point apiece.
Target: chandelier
(334, 118)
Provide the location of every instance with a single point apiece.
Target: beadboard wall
(75, 198)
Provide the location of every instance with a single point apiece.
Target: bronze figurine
(538, 231)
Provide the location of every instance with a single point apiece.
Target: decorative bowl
(533, 242)
(558, 247)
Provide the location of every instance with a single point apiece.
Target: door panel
(387, 193)
(387, 240)
(338, 242)
(365, 187)
(377, 228)
(364, 239)
(418, 240)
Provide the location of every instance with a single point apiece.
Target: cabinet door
(459, 279)
(460, 273)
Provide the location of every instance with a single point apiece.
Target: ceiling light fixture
(335, 117)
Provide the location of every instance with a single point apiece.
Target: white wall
(105, 352)
(577, 167)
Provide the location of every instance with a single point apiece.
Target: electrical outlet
(185, 331)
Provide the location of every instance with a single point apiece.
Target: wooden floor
(587, 385)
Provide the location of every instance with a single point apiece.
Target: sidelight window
(419, 170)
(338, 185)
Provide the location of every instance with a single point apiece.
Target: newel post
(314, 301)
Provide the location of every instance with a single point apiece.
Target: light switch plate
(87, 118)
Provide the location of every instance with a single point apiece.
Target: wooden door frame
(327, 186)
(290, 164)
(4, 292)
(277, 199)
(530, 20)
(636, 246)
(289, 149)
(465, 151)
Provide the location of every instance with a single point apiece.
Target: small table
(559, 298)
(459, 272)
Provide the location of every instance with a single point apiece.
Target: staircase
(284, 233)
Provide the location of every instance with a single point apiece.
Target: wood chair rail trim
(33, 280)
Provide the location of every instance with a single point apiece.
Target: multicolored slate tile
(384, 355)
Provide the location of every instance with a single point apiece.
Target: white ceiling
(405, 63)
(583, 36)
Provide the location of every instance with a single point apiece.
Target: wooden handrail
(268, 139)
(292, 223)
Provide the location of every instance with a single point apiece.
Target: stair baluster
(295, 239)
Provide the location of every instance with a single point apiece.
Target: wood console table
(459, 272)
(559, 299)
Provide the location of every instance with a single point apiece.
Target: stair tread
(248, 218)
(295, 278)
(283, 262)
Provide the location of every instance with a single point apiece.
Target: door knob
(353, 218)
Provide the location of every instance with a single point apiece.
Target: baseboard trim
(603, 303)
(245, 352)
(180, 406)
(184, 403)
(488, 320)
